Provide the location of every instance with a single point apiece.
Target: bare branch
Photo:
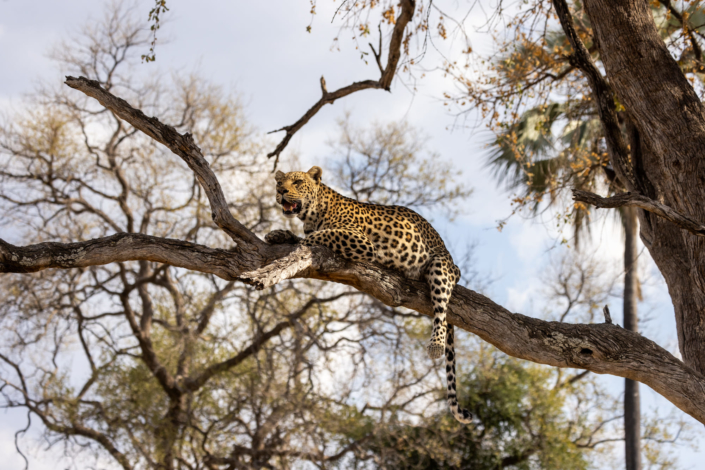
(384, 82)
(642, 202)
(181, 145)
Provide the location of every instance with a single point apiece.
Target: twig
(608, 317)
(377, 54)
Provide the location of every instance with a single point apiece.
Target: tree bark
(669, 115)
(632, 411)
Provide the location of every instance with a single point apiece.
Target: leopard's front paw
(435, 350)
(281, 237)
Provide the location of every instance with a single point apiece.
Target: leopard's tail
(461, 414)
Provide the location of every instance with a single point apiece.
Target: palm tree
(553, 148)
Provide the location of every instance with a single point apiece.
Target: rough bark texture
(602, 348)
(632, 409)
(668, 114)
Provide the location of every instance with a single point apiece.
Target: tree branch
(642, 202)
(181, 145)
(384, 82)
(600, 348)
(604, 97)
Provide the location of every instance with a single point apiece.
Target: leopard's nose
(283, 191)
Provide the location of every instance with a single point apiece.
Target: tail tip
(463, 416)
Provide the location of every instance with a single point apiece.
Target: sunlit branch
(181, 145)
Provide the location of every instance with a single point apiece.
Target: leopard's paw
(435, 350)
(281, 237)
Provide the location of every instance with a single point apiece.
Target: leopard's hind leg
(441, 277)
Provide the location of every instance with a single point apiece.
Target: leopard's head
(297, 191)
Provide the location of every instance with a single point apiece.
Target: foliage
(548, 137)
(522, 422)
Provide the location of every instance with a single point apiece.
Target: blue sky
(262, 51)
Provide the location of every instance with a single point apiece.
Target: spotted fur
(394, 236)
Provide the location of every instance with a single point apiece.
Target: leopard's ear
(315, 173)
(279, 175)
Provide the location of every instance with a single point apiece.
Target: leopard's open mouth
(291, 207)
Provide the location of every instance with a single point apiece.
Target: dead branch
(642, 202)
(181, 145)
(383, 83)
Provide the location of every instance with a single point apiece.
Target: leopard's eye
(298, 182)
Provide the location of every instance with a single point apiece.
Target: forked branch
(383, 83)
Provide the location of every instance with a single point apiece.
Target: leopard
(394, 236)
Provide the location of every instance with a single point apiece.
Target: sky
(261, 50)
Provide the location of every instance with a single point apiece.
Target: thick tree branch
(603, 94)
(642, 202)
(600, 348)
(181, 145)
(384, 82)
(122, 247)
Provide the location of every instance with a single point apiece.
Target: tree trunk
(632, 412)
(669, 115)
